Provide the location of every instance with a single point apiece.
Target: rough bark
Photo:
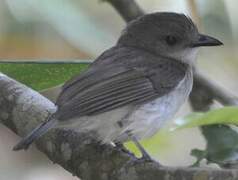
(21, 109)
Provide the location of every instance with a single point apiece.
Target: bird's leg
(120, 146)
(145, 155)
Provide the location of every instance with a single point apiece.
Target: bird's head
(168, 34)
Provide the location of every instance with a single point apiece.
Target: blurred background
(82, 29)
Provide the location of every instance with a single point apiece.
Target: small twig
(219, 93)
(129, 10)
(194, 12)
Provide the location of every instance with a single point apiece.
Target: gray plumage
(119, 83)
(135, 86)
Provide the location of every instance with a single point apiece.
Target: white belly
(149, 118)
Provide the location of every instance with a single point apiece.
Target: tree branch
(217, 92)
(21, 109)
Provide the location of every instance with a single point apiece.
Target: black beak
(204, 40)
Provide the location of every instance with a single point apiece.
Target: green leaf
(221, 148)
(199, 154)
(225, 115)
(41, 76)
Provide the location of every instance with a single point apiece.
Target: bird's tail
(35, 134)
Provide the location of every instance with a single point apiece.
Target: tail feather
(35, 134)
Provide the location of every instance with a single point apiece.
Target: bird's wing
(112, 86)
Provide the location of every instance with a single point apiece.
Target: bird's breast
(147, 119)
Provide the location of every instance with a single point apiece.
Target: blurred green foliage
(225, 115)
(41, 76)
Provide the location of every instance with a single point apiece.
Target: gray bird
(133, 88)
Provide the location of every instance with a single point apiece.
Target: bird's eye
(171, 40)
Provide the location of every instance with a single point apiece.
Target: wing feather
(106, 86)
(122, 89)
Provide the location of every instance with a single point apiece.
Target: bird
(132, 89)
